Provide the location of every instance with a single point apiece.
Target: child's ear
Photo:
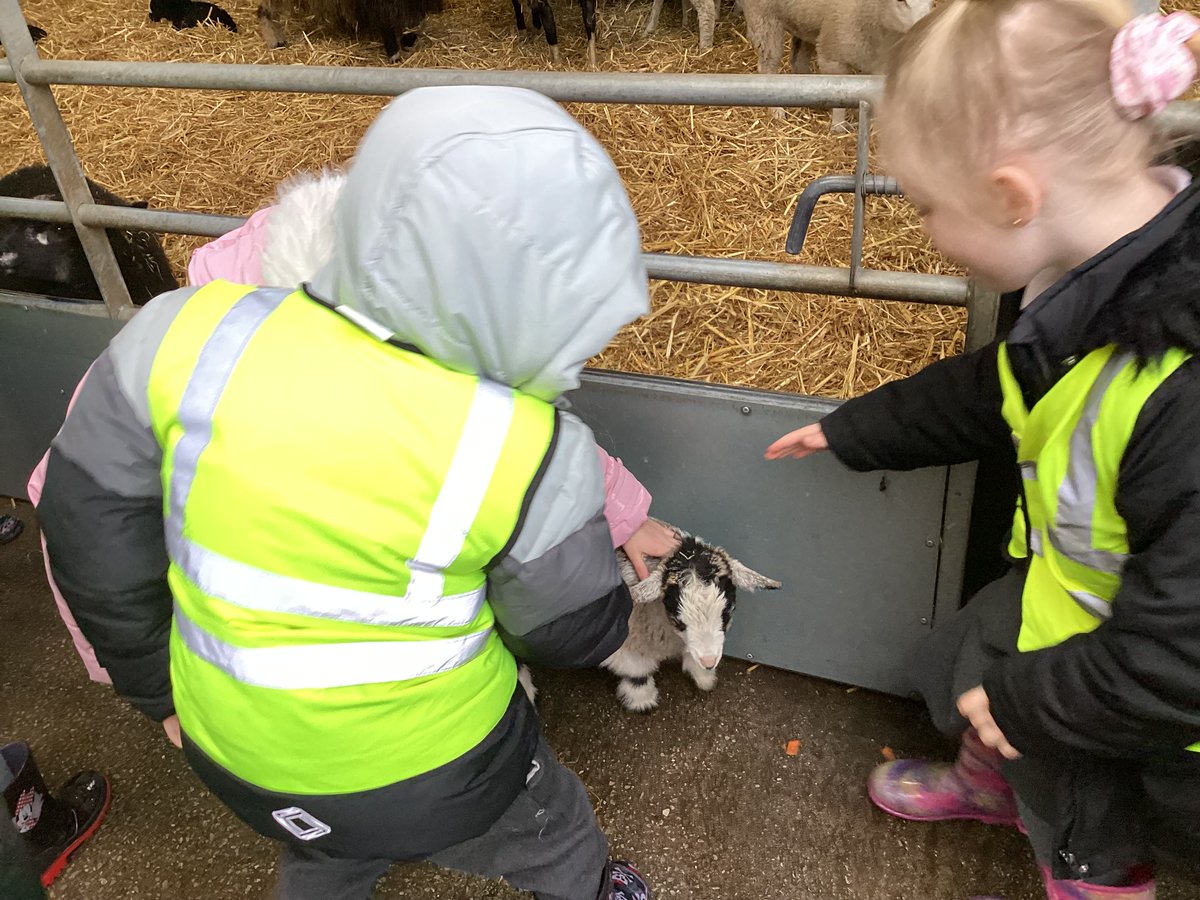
(1018, 195)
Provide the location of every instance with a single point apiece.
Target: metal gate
(867, 561)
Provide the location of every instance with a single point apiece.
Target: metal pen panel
(60, 154)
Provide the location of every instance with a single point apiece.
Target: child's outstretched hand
(799, 443)
(652, 539)
(975, 707)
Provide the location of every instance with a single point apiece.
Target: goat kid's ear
(747, 579)
(649, 589)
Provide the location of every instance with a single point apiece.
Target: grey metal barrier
(888, 556)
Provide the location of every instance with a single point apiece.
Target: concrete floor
(700, 794)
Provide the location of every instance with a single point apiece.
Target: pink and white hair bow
(1151, 64)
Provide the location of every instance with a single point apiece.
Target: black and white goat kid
(681, 611)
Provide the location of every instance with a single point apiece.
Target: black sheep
(391, 21)
(34, 32)
(190, 13)
(45, 258)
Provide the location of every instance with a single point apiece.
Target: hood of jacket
(487, 228)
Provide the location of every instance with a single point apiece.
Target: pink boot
(1077, 890)
(970, 788)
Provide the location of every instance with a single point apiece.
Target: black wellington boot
(53, 827)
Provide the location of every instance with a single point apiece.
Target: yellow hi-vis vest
(1069, 449)
(332, 503)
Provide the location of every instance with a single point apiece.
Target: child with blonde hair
(1022, 130)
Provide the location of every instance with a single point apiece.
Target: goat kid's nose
(709, 662)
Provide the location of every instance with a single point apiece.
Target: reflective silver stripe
(1072, 532)
(1065, 539)
(466, 484)
(455, 509)
(1035, 541)
(252, 588)
(366, 323)
(1090, 603)
(1029, 469)
(295, 668)
(214, 366)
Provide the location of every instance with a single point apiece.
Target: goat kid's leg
(705, 679)
(706, 15)
(272, 32)
(637, 690)
(525, 679)
(638, 693)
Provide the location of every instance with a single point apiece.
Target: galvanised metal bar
(983, 314)
(816, 91)
(99, 215)
(60, 154)
(806, 203)
(38, 210)
(860, 204)
(942, 290)
(207, 224)
(939, 290)
(819, 91)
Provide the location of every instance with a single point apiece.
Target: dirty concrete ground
(700, 794)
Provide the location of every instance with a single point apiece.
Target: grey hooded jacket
(484, 228)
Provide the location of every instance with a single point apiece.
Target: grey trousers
(548, 842)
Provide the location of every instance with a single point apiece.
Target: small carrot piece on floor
(889, 754)
(793, 747)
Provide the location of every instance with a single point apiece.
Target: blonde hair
(979, 80)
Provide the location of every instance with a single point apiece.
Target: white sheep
(847, 36)
(681, 610)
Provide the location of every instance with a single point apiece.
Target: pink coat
(235, 256)
(95, 671)
(626, 501)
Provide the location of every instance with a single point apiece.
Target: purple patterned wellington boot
(970, 788)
